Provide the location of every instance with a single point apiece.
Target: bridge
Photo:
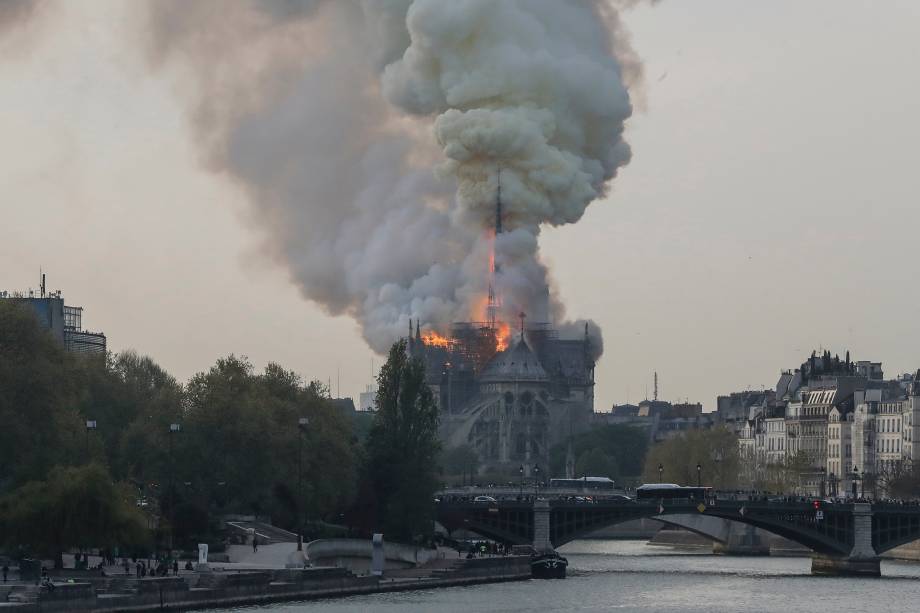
(846, 538)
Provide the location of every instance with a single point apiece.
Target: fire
(502, 336)
(435, 340)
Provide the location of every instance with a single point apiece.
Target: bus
(584, 483)
(671, 491)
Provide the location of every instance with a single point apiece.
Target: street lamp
(660, 472)
(521, 472)
(90, 425)
(699, 477)
(833, 484)
(855, 479)
(302, 424)
(536, 479)
(173, 429)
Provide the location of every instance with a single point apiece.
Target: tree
(241, 443)
(903, 481)
(716, 452)
(461, 460)
(75, 507)
(40, 427)
(402, 448)
(596, 463)
(786, 476)
(626, 445)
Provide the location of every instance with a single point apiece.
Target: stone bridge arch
(845, 538)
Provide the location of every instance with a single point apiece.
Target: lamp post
(699, 476)
(855, 479)
(822, 475)
(536, 479)
(832, 480)
(302, 424)
(90, 425)
(521, 472)
(660, 472)
(173, 429)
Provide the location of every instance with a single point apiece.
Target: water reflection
(634, 576)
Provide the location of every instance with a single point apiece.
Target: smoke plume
(370, 137)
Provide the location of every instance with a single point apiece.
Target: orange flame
(502, 336)
(434, 339)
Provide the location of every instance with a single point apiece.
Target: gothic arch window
(509, 398)
(527, 397)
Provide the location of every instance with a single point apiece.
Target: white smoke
(369, 136)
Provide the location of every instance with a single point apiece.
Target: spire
(418, 333)
(410, 328)
(491, 307)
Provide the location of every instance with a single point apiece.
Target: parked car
(484, 499)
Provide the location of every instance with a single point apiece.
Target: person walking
(175, 568)
(6, 571)
(255, 543)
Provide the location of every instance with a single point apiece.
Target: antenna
(43, 282)
(656, 385)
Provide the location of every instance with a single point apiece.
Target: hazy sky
(770, 207)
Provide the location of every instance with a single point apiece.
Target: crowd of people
(142, 568)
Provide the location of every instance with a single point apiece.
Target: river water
(634, 576)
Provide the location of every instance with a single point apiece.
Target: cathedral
(510, 400)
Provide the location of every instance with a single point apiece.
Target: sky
(770, 207)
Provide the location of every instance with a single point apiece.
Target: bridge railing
(506, 491)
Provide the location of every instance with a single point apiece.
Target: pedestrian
(137, 568)
(46, 580)
(176, 568)
(6, 571)
(255, 543)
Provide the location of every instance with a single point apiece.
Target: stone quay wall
(263, 586)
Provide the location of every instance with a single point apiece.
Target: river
(634, 576)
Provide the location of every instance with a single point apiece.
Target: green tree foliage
(241, 441)
(461, 461)
(40, 425)
(73, 508)
(626, 447)
(596, 463)
(239, 449)
(716, 451)
(402, 448)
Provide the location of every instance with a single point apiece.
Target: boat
(548, 565)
